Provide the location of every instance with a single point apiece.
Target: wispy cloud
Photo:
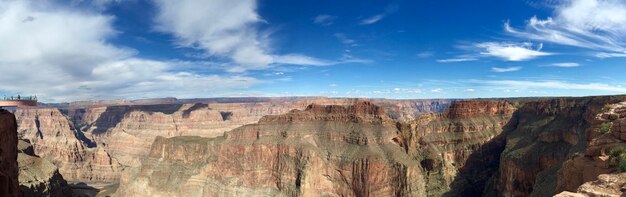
(324, 19)
(372, 20)
(609, 55)
(344, 39)
(565, 64)
(436, 90)
(591, 24)
(460, 59)
(511, 51)
(516, 84)
(508, 69)
(425, 54)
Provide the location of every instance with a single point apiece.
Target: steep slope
(459, 149)
(9, 185)
(324, 150)
(544, 135)
(37, 176)
(54, 138)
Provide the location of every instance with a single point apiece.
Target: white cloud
(592, 24)
(62, 55)
(460, 59)
(508, 69)
(324, 19)
(470, 90)
(436, 90)
(425, 54)
(565, 64)
(220, 27)
(407, 91)
(372, 20)
(610, 55)
(511, 51)
(344, 39)
(390, 9)
(514, 84)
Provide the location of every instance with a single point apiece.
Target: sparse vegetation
(606, 127)
(618, 158)
(607, 107)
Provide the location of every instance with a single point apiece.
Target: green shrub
(618, 158)
(606, 107)
(606, 127)
(617, 151)
(622, 164)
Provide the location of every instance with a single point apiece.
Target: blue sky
(108, 49)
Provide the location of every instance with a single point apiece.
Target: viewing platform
(18, 101)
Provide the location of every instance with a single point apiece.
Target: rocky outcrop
(545, 135)
(38, 176)
(612, 185)
(54, 138)
(595, 161)
(9, 185)
(324, 150)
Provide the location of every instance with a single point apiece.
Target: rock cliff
(329, 150)
(38, 176)
(9, 185)
(546, 133)
(54, 138)
(94, 141)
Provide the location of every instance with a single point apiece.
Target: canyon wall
(330, 150)
(543, 135)
(54, 138)
(9, 185)
(94, 141)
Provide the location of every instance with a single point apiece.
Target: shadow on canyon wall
(114, 114)
(473, 178)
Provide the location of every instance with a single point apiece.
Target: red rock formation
(546, 134)
(55, 139)
(9, 185)
(321, 150)
(478, 108)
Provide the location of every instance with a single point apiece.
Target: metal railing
(20, 98)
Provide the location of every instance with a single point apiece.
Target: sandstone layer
(94, 141)
(55, 138)
(9, 185)
(329, 151)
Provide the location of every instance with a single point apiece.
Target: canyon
(312, 146)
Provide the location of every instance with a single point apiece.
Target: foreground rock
(38, 176)
(611, 185)
(9, 185)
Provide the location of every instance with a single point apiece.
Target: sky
(70, 50)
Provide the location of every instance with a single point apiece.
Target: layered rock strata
(325, 150)
(544, 135)
(54, 138)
